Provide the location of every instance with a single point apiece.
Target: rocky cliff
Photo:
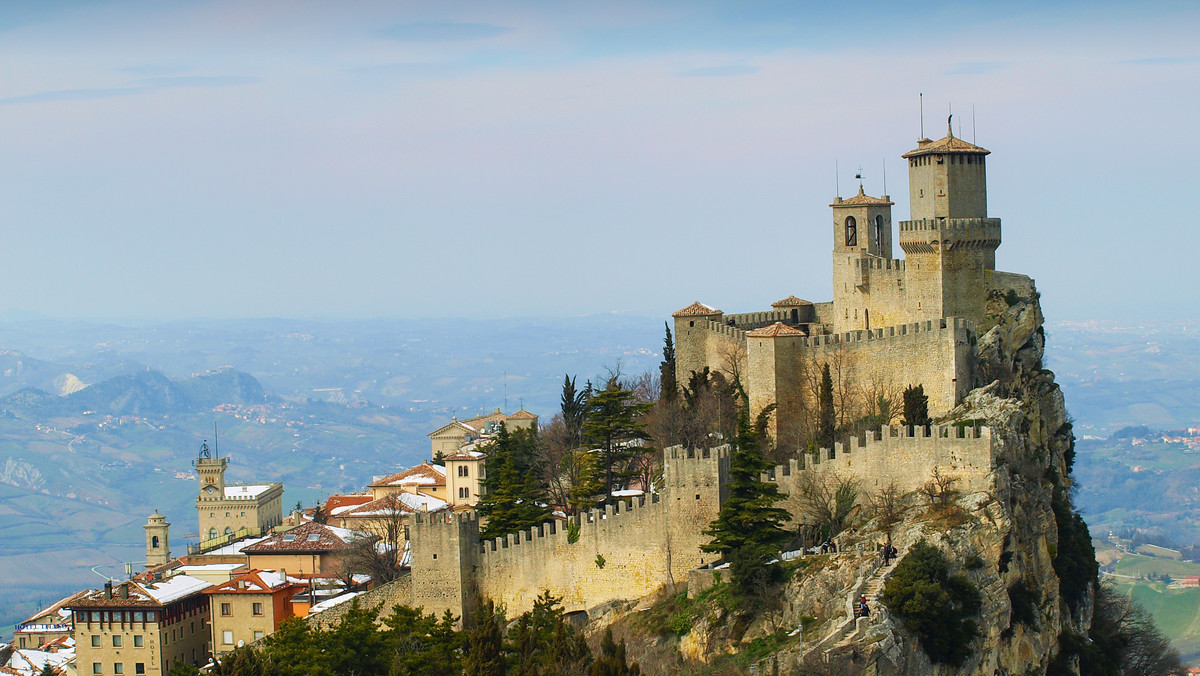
(1018, 543)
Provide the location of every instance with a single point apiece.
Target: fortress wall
(700, 342)
(903, 455)
(444, 551)
(748, 321)
(386, 596)
(694, 482)
(514, 570)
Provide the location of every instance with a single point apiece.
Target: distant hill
(145, 393)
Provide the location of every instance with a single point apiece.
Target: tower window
(154, 541)
(851, 231)
(879, 230)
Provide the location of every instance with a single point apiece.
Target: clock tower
(212, 475)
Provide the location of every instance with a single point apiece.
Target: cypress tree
(827, 424)
(668, 387)
(574, 408)
(485, 642)
(916, 407)
(749, 531)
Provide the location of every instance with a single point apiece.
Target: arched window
(228, 530)
(879, 230)
(154, 541)
(851, 231)
(212, 533)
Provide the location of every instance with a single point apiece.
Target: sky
(168, 160)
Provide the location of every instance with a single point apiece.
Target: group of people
(863, 609)
(889, 552)
(829, 546)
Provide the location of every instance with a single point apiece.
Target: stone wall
(386, 596)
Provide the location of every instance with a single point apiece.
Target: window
(139, 616)
(879, 229)
(228, 530)
(289, 537)
(257, 608)
(212, 533)
(154, 541)
(139, 668)
(97, 668)
(96, 641)
(226, 609)
(118, 668)
(258, 636)
(137, 641)
(227, 637)
(464, 493)
(116, 640)
(851, 231)
(22, 641)
(314, 537)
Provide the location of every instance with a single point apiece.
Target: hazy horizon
(183, 160)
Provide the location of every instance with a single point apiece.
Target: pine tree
(574, 408)
(748, 531)
(668, 387)
(916, 407)
(514, 495)
(614, 426)
(485, 642)
(827, 424)
(543, 642)
(612, 660)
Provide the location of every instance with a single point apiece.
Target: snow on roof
(424, 474)
(176, 588)
(310, 537)
(234, 547)
(51, 614)
(208, 567)
(329, 603)
(246, 492)
(31, 662)
(628, 493)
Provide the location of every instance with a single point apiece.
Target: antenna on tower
(885, 176)
(837, 184)
(922, 95)
(972, 123)
(859, 177)
(216, 441)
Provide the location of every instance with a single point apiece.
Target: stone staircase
(873, 590)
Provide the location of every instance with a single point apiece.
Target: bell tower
(158, 542)
(862, 242)
(212, 474)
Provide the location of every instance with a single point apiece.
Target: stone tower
(158, 542)
(950, 243)
(445, 554)
(862, 238)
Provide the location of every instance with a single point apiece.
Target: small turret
(158, 541)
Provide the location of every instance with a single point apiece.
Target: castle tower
(211, 472)
(445, 552)
(949, 242)
(862, 243)
(158, 541)
(691, 339)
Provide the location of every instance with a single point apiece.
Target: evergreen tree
(614, 426)
(612, 660)
(47, 670)
(668, 387)
(485, 642)
(438, 458)
(916, 407)
(827, 423)
(543, 642)
(748, 531)
(934, 604)
(319, 515)
(514, 495)
(574, 408)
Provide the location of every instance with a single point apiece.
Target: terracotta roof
(862, 200)
(696, 309)
(421, 475)
(466, 456)
(523, 415)
(477, 421)
(790, 301)
(255, 582)
(310, 537)
(56, 612)
(949, 144)
(775, 330)
(402, 503)
(336, 502)
(455, 424)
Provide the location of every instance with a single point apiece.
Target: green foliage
(543, 642)
(1075, 559)
(183, 669)
(243, 661)
(749, 531)
(515, 495)
(613, 425)
(936, 606)
(47, 670)
(572, 532)
(485, 642)
(916, 407)
(574, 407)
(600, 561)
(612, 660)
(668, 387)
(826, 415)
(973, 562)
(1024, 601)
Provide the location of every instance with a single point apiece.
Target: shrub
(1075, 557)
(1023, 601)
(936, 606)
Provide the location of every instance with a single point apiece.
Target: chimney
(125, 591)
(108, 589)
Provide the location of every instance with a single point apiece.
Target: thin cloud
(1162, 60)
(443, 32)
(133, 89)
(718, 71)
(976, 67)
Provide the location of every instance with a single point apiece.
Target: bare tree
(940, 488)
(826, 499)
(887, 506)
(380, 552)
(558, 461)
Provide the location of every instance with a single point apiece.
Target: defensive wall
(936, 354)
(902, 455)
(385, 597)
(625, 550)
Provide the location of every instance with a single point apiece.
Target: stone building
(892, 322)
(48, 624)
(230, 511)
(141, 628)
(158, 541)
(309, 550)
(451, 437)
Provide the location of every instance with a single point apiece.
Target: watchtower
(211, 472)
(445, 553)
(862, 239)
(949, 242)
(158, 542)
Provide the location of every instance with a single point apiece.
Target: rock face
(1004, 540)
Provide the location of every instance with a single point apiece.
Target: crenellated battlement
(877, 263)
(926, 235)
(726, 330)
(748, 321)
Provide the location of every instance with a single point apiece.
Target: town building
(309, 550)
(249, 607)
(48, 624)
(141, 628)
(229, 512)
(451, 437)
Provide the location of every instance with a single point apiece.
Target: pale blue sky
(179, 159)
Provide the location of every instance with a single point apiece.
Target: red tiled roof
(777, 329)
(336, 501)
(421, 475)
(790, 301)
(696, 309)
(310, 537)
(946, 145)
(523, 415)
(253, 583)
(862, 200)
